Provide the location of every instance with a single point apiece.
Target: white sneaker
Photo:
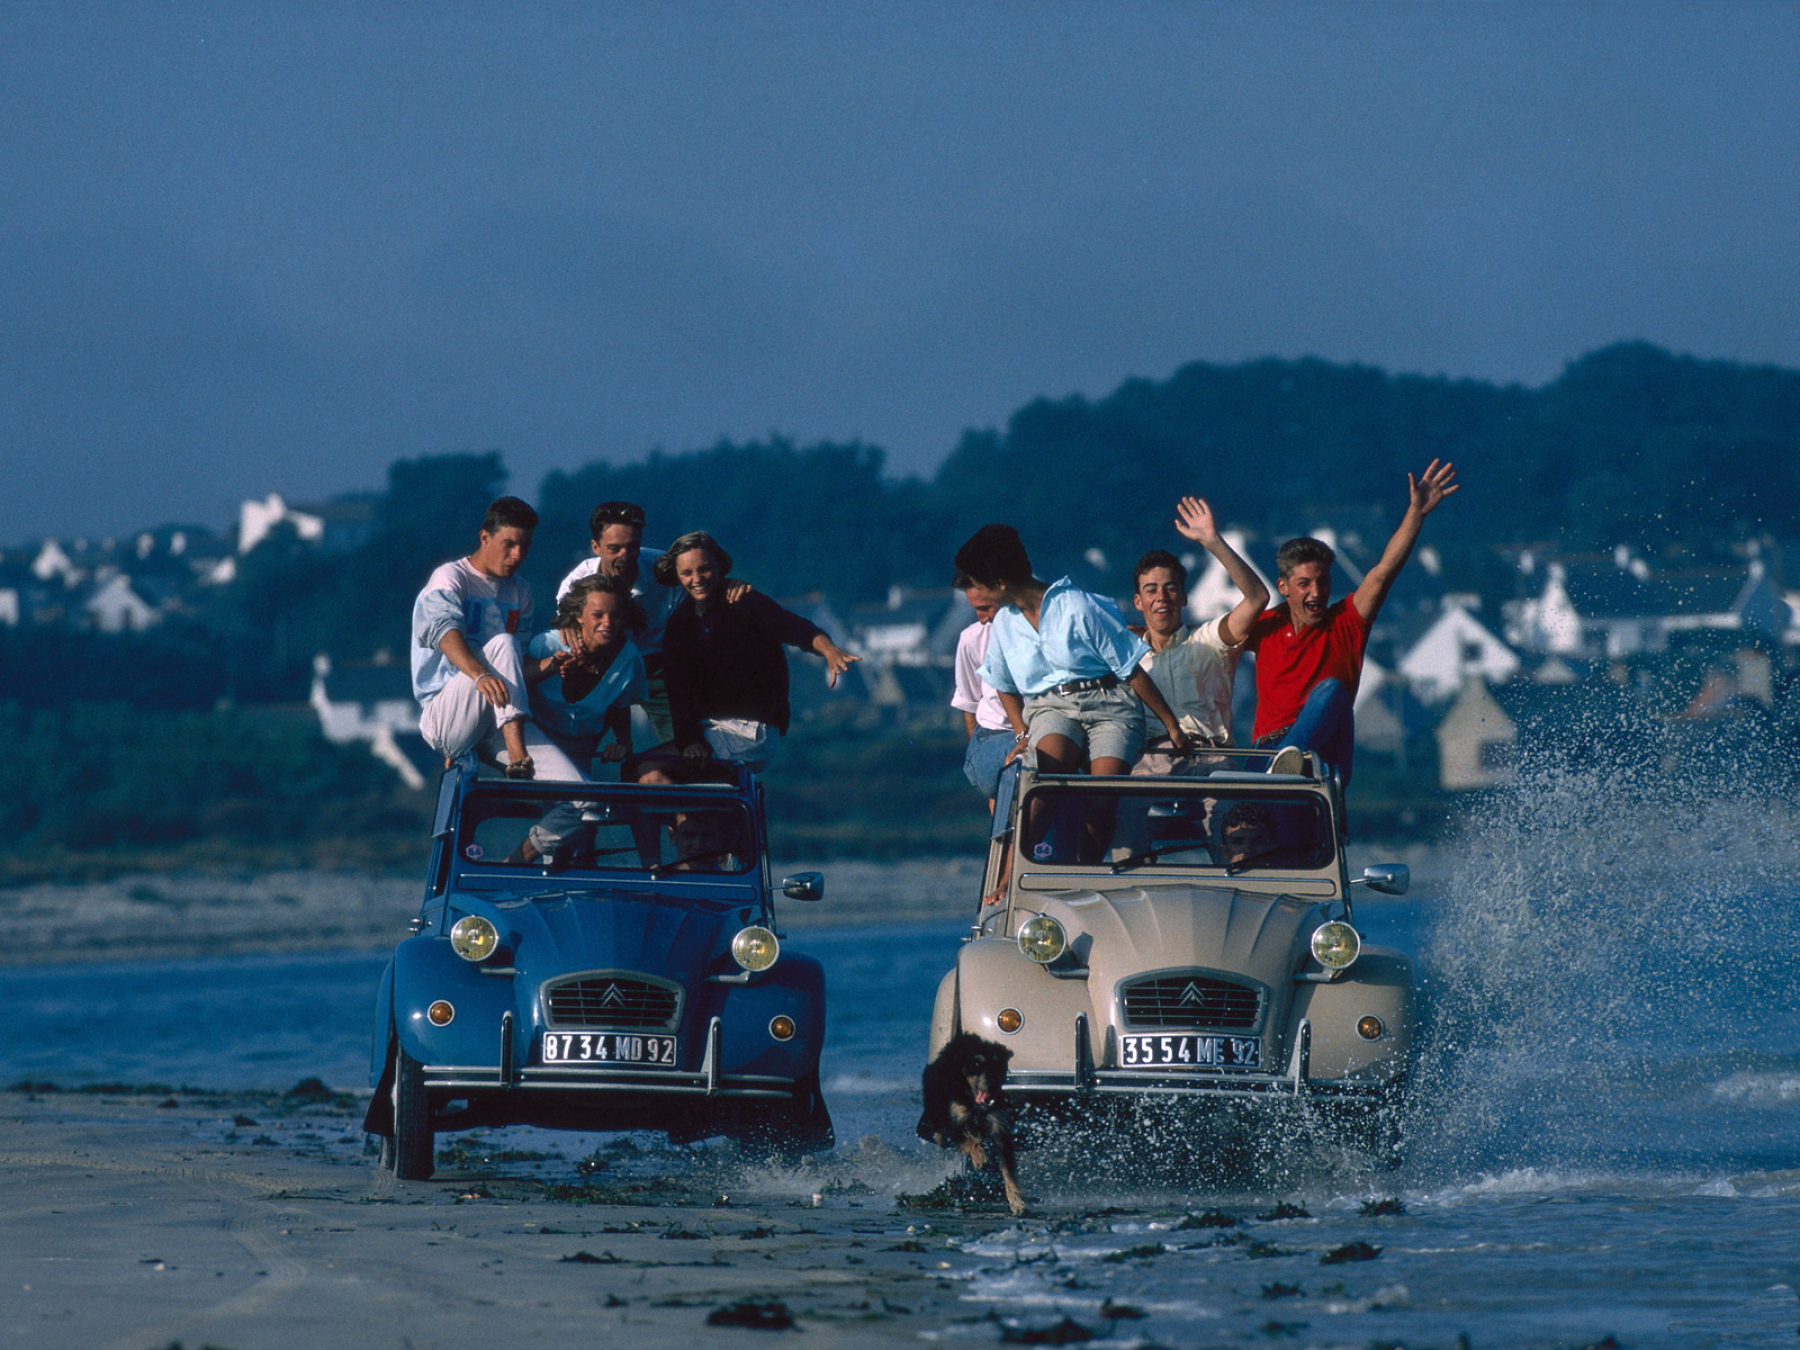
(1290, 759)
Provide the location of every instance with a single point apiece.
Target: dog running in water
(964, 1107)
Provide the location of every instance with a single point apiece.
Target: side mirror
(804, 886)
(1387, 878)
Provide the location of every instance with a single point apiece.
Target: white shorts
(739, 740)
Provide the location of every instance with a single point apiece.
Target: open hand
(1431, 487)
(1194, 520)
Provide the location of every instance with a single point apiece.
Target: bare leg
(518, 759)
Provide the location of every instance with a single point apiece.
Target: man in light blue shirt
(1064, 664)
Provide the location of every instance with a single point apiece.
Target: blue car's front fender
(425, 971)
(795, 988)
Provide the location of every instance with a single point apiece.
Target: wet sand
(136, 1221)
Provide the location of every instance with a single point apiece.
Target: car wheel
(409, 1151)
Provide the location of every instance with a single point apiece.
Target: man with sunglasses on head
(617, 533)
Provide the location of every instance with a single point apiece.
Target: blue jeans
(1325, 725)
(984, 759)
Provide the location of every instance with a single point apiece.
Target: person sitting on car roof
(618, 543)
(467, 670)
(727, 675)
(1068, 671)
(1194, 668)
(1309, 652)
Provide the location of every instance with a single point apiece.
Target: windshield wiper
(1233, 868)
(1149, 854)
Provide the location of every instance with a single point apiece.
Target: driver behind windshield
(705, 841)
(1247, 834)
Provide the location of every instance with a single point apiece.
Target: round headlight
(1335, 945)
(1042, 939)
(755, 948)
(473, 938)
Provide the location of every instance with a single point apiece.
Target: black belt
(1085, 686)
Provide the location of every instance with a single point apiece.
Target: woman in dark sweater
(726, 671)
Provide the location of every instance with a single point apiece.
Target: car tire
(409, 1150)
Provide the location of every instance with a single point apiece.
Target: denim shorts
(985, 757)
(1106, 723)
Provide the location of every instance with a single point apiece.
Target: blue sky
(258, 247)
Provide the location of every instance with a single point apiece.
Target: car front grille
(611, 1001)
(1200, 1002)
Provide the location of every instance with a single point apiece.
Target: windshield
(661, 834)
(1189, 827)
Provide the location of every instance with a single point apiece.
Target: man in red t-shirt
(1309, 652)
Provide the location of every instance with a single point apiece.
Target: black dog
(964, 1108)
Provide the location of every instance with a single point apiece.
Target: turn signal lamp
(1009, 1020)
(755, 948)
(1042, 939)
(473, 938)
(441, 1014)
(781, 1027)
(1369, 1028)
(1335, 945)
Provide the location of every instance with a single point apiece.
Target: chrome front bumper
(1089, 1079)
(708, 1081)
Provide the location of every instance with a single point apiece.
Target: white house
(1456, 645)
(115, 607)
(256, 519)
(1622, 607)
(373, 704)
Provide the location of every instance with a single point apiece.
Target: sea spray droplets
(1606, 927)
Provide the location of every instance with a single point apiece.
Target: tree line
(1630, 444)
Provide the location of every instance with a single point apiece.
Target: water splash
(1612, 947)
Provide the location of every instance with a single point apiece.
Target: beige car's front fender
(992, 973)
(1378, 985)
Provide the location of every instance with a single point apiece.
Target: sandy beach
(138, 1221)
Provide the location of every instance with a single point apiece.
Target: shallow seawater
(1604, 1140)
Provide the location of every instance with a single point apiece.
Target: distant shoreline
(171, 915)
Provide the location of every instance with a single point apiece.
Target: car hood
(555, 934)
(1119, 934)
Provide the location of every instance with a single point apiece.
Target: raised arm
(1194, 520)
(1426, 491)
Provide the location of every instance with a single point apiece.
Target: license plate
(607, 1047)
(1183, 1051)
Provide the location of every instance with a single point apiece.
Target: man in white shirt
(467, 626)
(990, 734)
(1194, 668)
